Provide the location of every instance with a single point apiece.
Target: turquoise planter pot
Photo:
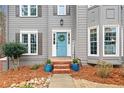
(75, 67)
(48, 68)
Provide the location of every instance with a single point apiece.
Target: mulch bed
(89, 73)
(86, 72)
(22, 74)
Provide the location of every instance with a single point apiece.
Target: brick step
(61, 71)
(61, 66)
(58, 62)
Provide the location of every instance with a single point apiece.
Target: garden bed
(22, 74)
(89, 73)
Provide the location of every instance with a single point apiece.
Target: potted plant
(75, 64)
(48, 66)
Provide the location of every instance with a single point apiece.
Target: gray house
(64, 31)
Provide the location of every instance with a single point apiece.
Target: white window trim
(117, 41)
(30, 32)
(29, 12)
(58, 10)
(89, 49)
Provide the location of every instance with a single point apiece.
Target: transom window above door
(61, 10)
(28, 11)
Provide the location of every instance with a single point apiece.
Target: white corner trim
(122, 42)
(117, 40)
(89, 49)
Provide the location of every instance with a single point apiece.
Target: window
(61, 9)
(54, 40)
(28, 10)
(68, 38)
(111, 40)
(30, 40)
(93, 41)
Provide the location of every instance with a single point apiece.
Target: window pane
(61, 10)
(68, 38)
(54, 39)
(33, 10)
(33, 43)
(93, 41)
(25, 40)
(110, 40)
(24, 10)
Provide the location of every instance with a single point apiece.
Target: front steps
(61, 66)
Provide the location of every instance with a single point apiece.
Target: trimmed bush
(14, 51)
(104, 69)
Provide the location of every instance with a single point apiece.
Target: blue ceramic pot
(75, 67)
(48, 68)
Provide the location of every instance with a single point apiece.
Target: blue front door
(61, 44)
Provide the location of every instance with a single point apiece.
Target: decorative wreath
(61, 37)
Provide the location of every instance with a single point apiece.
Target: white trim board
(54, 31)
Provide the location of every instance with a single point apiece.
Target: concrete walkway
(61, 81)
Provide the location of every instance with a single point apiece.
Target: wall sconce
(61, 22)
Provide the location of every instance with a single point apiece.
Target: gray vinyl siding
(15, 24)
(101, 18)
(43, 24)
(78, 21)
(81, 33)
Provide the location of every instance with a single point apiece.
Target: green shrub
(27, 86)
(35, 67)
(76, 60)
(48, 61)
(104, 69)
(14, 51)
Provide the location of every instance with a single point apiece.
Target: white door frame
(54, 31)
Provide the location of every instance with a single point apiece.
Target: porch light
(61, 22)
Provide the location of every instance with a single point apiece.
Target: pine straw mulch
(22, 74)
(89, 73)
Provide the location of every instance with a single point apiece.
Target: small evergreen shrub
(35, 67)
(48, 61)
(104, 69)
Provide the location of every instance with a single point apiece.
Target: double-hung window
(30, 40)
(61, 10)
(28, 11)
(93, 41)
(110, 40)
